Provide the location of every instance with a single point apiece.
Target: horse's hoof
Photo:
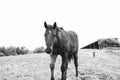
(76, 74)
(52, 79)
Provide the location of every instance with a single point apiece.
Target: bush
(2, 49)
(13, 51)
(21, 50)
(10, 51)
(39, 50)
(1, 54)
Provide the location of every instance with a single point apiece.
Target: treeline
(109, 42)
(7, 51)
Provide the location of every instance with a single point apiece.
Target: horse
(63, 43)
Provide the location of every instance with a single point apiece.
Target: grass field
(104, 66)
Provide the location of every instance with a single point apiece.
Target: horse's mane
(60, 32)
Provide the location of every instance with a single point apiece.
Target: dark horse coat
(65, 44)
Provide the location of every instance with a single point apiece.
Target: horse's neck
(61, 38)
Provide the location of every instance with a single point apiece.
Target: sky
(22, 21)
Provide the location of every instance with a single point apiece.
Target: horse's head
(50, 36)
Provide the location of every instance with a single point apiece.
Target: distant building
(93, 45)
(103, 43)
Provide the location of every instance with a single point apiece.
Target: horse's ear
(54, 25)
(45, 25)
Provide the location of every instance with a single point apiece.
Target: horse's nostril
(48, 50)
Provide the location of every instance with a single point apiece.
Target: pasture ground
(104, 66)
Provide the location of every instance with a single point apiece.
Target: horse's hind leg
(76, 62)
(52, 65)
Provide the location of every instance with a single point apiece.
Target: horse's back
(73, 37)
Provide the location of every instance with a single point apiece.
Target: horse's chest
(58, 50)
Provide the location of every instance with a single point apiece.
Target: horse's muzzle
(48, 50)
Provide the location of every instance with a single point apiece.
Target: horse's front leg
(64, 68)
(52, 65)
